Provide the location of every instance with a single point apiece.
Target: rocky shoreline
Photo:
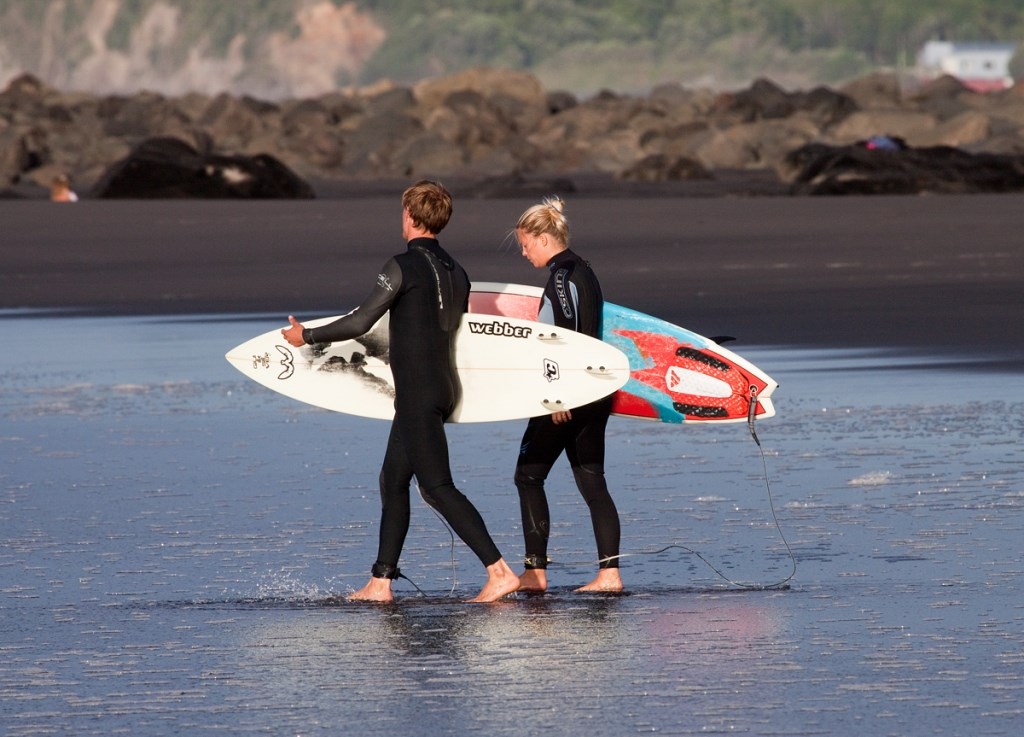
(499, 133)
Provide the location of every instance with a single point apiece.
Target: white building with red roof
(982, 66)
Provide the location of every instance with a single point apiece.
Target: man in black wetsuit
(572, 299)
(426, 292)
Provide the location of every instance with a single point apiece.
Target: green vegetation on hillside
(582, 45)
(623, 40)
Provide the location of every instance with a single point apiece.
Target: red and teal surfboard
(676, 375)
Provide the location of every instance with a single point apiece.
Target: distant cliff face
(110, 47)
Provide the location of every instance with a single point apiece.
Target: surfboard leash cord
(784, 583)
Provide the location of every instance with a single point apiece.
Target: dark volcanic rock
(489, 123)
(763, 99)
(860, 169)
(662, 168)
(560, 100)
(826, 107)
(170, 168)
(21, 151)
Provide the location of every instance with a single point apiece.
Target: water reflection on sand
(173, 541)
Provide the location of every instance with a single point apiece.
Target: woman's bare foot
(533, 581)
(501, 582)
(607, 581)
(377, 590)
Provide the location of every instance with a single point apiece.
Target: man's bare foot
(607, 581)
(501, 582)
(533, 581)
(377, 590)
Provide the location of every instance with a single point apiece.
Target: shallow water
(171, 537)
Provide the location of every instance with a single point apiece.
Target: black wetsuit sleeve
(362, 318)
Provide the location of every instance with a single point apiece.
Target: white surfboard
(509, 369)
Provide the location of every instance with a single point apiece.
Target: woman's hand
(559, 417)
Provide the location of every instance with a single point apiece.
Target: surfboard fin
(722, 338)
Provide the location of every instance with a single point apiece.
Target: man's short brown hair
(429, 205)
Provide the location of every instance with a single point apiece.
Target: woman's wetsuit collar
(564, 255)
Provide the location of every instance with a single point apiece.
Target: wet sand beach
(176, 541)
(942, 271)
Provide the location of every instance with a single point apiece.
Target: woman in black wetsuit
(572, 299)
(426, 292)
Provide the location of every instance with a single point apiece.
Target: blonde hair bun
(556, 203)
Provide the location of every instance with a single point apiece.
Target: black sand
(943, 273)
